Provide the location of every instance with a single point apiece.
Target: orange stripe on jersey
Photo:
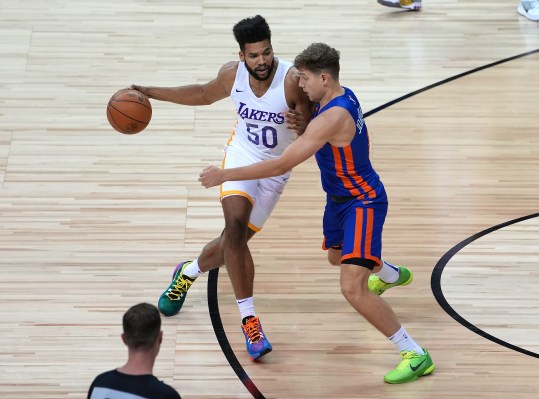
(350, 167)
(340, 172)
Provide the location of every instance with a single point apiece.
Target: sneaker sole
(264, 352)
(415, 378)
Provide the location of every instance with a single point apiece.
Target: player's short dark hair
(251, 30)
(319, 57)
(142, 324)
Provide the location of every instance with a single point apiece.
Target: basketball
(129, 111)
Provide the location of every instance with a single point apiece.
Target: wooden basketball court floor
(92, 222)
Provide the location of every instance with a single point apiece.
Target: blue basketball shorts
(356, 226)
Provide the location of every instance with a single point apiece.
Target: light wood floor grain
(92, 222)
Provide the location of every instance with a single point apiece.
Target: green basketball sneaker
(171, 301)
(378, 286)
(411, 367)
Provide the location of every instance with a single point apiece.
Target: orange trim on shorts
(254, 228)
(324, 244)
(236, 192)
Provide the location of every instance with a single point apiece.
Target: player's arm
(301, 108)
(321, 130)
(197, 94)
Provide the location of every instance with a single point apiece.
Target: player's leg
(237, 257)
(362, 246)
(185, 273)
(240, 266)
(266, 197)
(387, 275)
(212, 255)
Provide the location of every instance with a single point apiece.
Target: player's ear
(241, 55)
(324, 77)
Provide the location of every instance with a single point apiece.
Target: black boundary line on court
(213, 302)
(460, 75)
(436, 286)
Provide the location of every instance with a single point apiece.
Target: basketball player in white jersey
(271, 110)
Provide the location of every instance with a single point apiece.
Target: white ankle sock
(403, 342)
(192, 270)
(247, 307)
(388, 273)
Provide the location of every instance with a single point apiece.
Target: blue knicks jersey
(347, 171)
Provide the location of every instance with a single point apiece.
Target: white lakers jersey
(261, 129)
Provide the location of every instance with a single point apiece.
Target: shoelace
(406, 355)
(180, 287)
(252, 329)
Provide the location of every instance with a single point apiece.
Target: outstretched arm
(318, 133)
(197, 94)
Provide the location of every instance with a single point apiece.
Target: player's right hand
(142, 89)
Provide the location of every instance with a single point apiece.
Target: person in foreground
(135, 380)
(356, 204)
(271, 111)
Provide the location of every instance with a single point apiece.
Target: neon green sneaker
(171, 301)
(378, 286)
(411, 367)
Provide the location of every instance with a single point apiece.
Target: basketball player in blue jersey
(271, 111)
(356, 201)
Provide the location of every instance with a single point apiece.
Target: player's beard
(254, 75)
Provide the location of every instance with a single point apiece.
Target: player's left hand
(295, 121)
(211, 176)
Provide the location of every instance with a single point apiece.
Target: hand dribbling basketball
(129, 111)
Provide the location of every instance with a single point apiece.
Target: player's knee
(347, 291)
(236, 232)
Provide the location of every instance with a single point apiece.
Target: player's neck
(333, 91)
(138, 363)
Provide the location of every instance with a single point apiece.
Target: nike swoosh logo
(242, 301)
(239, 91)
(418, 366)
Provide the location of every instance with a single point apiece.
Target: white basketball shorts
(263, 193)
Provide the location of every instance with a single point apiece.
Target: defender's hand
(295, 121)
(211, 176)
